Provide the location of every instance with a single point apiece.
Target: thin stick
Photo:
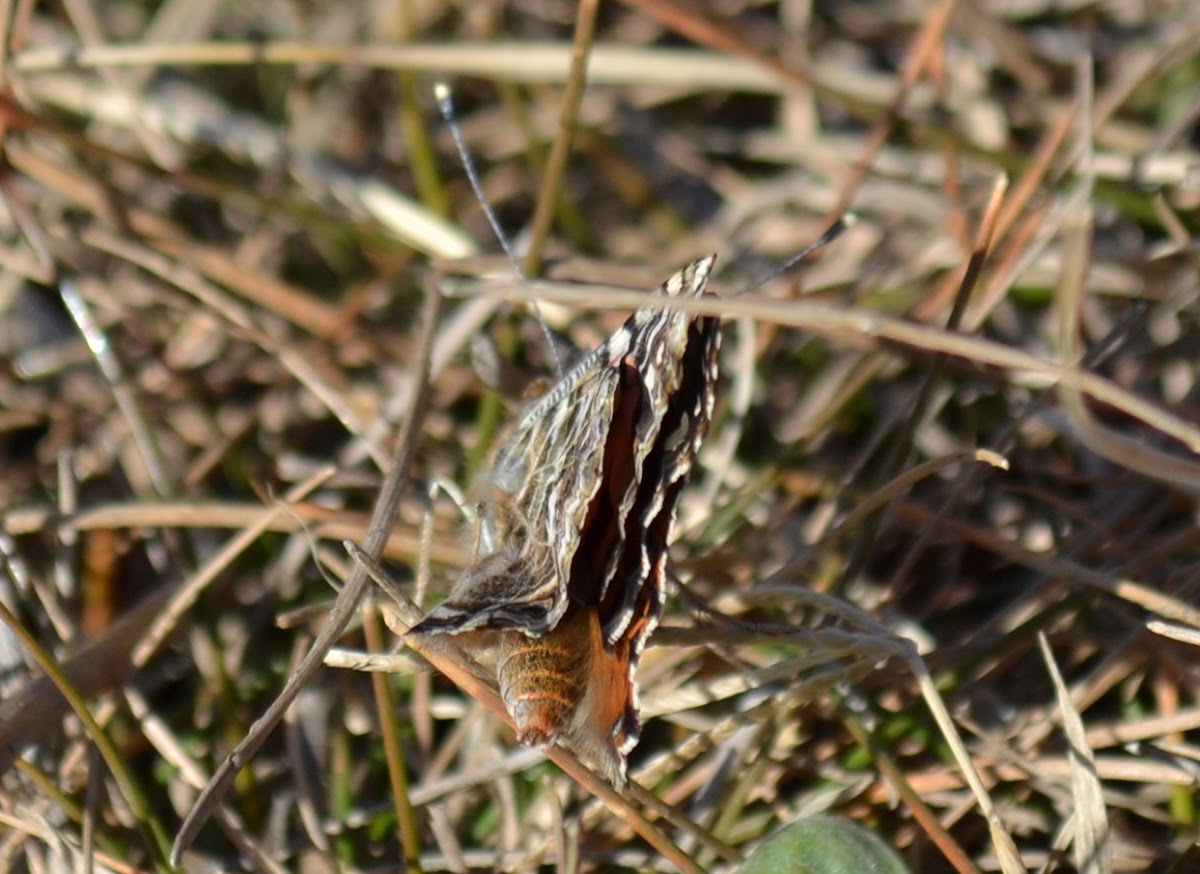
(830, 234)
(585, 28)
(410, 834)
(856, 325)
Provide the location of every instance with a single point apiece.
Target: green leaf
(823, 845)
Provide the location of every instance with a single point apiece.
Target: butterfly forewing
(537, 494)
(579, 509)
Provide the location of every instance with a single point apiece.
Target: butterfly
(578, 509)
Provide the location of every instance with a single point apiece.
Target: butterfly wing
(674, 357)
(542, 482)
(581, 505)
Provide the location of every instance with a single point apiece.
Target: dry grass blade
(1091, 836)
(1006, 849)
(865, 327)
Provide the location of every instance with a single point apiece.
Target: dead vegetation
(970, 423)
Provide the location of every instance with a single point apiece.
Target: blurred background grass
(219, 225)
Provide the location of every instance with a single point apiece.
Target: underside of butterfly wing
(579, 514)
(536, 496)
(676, 360)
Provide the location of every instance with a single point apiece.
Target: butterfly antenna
(445, 102)
(831, 233)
